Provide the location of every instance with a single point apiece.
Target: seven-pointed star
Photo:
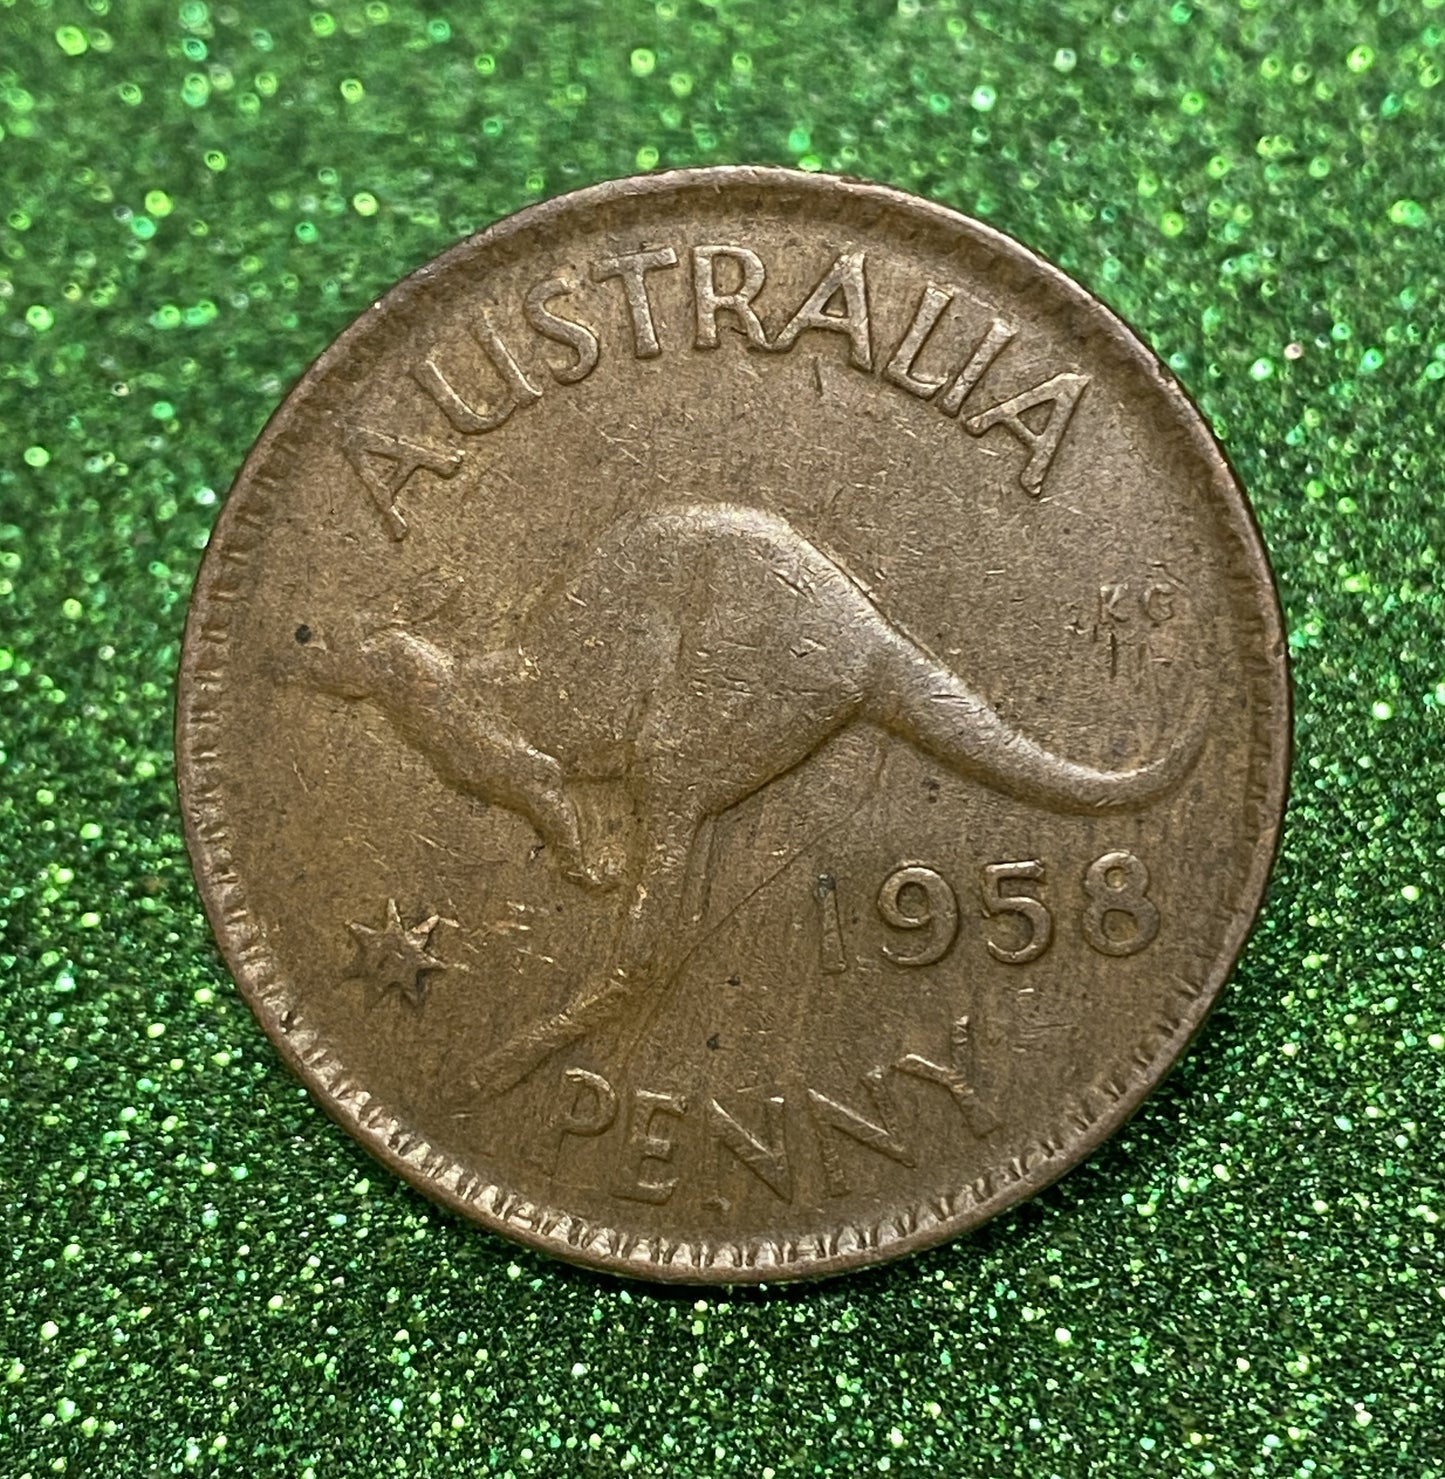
(396, 957)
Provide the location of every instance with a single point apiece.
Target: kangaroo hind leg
(653, 935)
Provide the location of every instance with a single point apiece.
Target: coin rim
(679, 1261)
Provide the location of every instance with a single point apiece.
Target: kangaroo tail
(922, 702)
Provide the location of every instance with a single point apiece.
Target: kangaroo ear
(426, 597)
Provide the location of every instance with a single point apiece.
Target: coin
(733, 725)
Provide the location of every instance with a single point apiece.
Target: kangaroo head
(446, 708)
(339, 658)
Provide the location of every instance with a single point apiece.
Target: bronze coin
(733, 725)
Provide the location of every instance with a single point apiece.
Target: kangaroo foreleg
(441, 707)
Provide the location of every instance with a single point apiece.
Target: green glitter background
(202, 1274)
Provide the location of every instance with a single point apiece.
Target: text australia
(726, 283)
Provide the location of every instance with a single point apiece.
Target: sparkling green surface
(201, 1273)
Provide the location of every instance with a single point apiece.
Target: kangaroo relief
(698, 653)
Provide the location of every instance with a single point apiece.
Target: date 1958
(1118, 917)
